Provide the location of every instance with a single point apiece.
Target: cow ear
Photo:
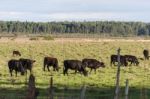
(33, 61)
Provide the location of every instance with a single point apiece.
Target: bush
(34, 38)
(48, 38)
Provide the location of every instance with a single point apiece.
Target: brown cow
(17, 53)
(146, 54)
(74, 65)
(27, 64)
(16, 65)
(92, 64)
(50, 61)
(132, 59)
(114, 59)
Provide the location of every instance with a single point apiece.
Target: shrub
(48, 38)
(34, 38)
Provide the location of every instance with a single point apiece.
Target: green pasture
(98, 84)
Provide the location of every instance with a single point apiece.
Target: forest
(108, 28)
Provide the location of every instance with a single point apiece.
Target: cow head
(102, 64)
(83, 70)
(33, 61)
(85, 73)
(137, 62)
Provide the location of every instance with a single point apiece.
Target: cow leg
(10, 72)
(26, 72)
(54, 69)
(75, 71)
(30, 71)
(111, 63)
(114, 64)
(16, 73)
(44, 67)
(95, 70)
(48, 68)
(91, 70)
(65, 71)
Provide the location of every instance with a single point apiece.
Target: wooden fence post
(126, 89)
(26, 78)
(51, 89)
(83, 90)
(32, 90)
(117, 76)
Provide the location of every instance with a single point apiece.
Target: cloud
(75, 10)
(47, 6)
(74, 16)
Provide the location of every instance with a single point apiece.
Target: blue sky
(75, 10)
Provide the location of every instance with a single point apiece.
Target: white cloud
(74, 16)
(60, 10)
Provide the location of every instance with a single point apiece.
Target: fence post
(126, 89)
(32, 90)
(117, 76)
(26, 78)
(83, 90)
(51, 89)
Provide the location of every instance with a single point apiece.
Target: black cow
(114, 59)
(92, 64)
(132, 59)
(17, 53)
(146, 54)
(27, 64)
(15, 65)
(50, 61)
(74, 65)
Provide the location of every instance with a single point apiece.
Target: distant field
(101, 83)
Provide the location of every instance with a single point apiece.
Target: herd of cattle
(22, 65)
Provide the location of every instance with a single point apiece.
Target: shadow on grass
(74, 93)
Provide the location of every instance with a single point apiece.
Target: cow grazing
(15, 65)
(27, 64)
(114, 59)
(146, 54)
(132, 59)
(92, 64)
(50, 61)
(74, 65)
(17, 53)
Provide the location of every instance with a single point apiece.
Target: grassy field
(98, 85)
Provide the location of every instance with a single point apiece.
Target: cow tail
(64, 69)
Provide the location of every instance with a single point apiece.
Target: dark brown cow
(17, 53)
(74, 65)
(27, 64)
(15, 65)
(114, 59)
(92, 64)
(132, 59)
(146, 54)
(50, 61)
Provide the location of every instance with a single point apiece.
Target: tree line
(110, 28)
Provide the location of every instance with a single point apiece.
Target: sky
(75, 10)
